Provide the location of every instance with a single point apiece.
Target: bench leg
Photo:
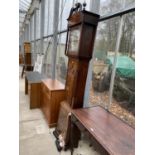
(22, 71)
(26, 85)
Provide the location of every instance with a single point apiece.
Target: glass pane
(38, 46)
(47, 56)
(38, 22)
(50, 23)
(65, 7)
(74, 36)
(46, 18)
(62, 59)
(111, 6)
(25, 34)
(124, 84)
(32, 51)
(29, 31)
(101, 75)
(123, 99)
(32, 27)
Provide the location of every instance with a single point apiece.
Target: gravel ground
(122, 110)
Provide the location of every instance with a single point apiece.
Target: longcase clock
(82, 27)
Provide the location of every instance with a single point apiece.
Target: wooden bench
(109, 134)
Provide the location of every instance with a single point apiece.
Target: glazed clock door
(73, 42)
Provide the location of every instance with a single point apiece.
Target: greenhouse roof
(24, 6)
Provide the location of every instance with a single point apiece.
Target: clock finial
(84, 5)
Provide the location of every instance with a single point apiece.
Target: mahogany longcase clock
(82, 27)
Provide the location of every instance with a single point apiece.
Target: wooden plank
(53, 84)
(114, 135)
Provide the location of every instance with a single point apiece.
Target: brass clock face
(74, 37)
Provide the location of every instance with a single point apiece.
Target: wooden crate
(52, 93)
(27, 47)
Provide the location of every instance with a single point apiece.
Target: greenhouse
(77, 77)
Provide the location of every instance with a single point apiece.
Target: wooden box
(34, 93)
(27, 47)
(21, 59)
(52, 93)
(33, 88)
(28, 58)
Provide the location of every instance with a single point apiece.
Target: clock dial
(74, 36)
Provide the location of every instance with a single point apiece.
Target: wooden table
(52, 93)
(33, 80)
(110, 135)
